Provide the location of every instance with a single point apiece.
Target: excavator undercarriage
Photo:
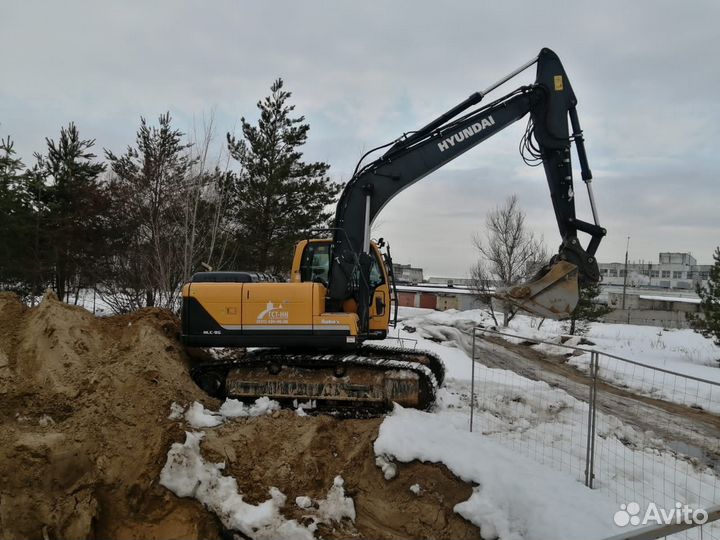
(368, 380)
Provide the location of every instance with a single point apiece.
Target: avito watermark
(629, 514)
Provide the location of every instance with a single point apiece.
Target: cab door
(380, 306)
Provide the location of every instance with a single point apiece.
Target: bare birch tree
(206, 203)
(149, 183)
(171, 194)
(482, 286)
(509, 252)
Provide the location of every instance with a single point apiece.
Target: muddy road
(691, 432)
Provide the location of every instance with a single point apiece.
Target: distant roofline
(669, 299)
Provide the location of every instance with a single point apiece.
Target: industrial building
(405, 273)
(672, 271)
(440, 298)
(651, 309)
(657, 294)
(450, 282)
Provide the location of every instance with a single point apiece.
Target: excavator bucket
(554, 295)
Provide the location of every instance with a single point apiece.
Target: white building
(672, 271)
(450, 281)
(405, 273)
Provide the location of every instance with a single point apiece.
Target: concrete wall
(648, 317)
(468, 301)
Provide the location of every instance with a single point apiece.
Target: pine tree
(16, 218)
(709, 324)
(74, 208)
(587, 310)
(276, 196)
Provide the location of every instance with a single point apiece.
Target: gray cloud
(363, 73)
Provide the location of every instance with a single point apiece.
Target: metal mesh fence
(637, 432)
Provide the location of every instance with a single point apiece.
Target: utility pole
(627, 247)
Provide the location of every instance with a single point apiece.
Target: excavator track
(369, 379)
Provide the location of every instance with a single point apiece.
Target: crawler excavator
(312, 332)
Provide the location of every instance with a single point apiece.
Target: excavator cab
(311, 263)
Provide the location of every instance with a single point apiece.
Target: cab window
(315, 265)
(376, 275)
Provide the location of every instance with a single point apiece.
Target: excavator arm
(550, 103)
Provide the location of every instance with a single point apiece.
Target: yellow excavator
(311, 332)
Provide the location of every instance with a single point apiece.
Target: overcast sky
(646, 75)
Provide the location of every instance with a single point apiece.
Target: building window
(704, 275)
(666, 273)
(654, 273)
(622, 273)
(677, 275)
(604, 271)
(613, 272)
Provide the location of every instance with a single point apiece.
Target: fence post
(594, 413)
(472, 380)
(591, 406)
(590, 445)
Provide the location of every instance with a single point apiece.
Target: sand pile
(85, 432)
(84, 424)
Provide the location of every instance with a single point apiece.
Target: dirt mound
(302, 455)
(84, 428)
(84, 434)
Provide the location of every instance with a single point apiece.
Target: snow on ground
(679, 351)
(515, 498)
(187, 474)
(200, 417)
(88, 299)
(517, 419)
(233, 408)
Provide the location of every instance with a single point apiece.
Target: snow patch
(389, 469)
(415, 488)
(515, 498)
(199, 417)
(187, 474)
(176, 411)
(232, 408)
(301, 408)
(333, 508)
(336, 505)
